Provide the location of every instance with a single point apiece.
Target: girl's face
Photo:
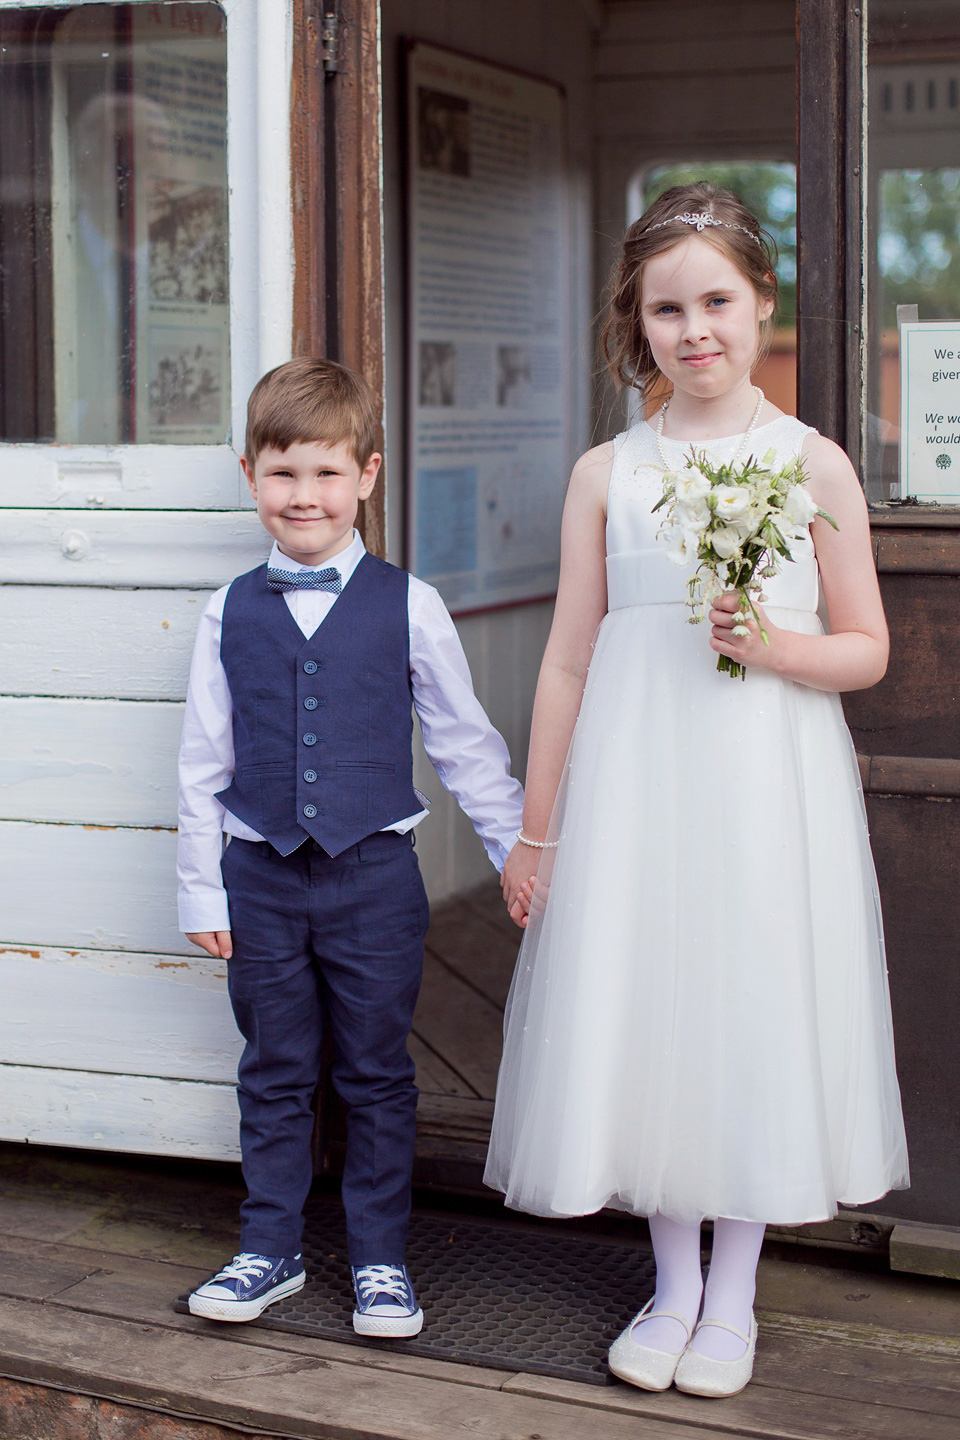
(701, 317)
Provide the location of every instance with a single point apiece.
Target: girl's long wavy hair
(752, 250)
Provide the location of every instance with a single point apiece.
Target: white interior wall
(552, 39)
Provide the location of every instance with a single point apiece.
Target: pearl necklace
(740, 448)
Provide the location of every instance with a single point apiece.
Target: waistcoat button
(310, 667)
(309, 738)
(309, 776)
(310, 703)
(310, 811)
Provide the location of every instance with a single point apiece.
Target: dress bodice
(638, 569)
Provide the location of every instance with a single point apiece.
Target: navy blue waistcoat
(322, 728)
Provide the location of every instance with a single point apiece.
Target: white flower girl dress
(699, 1022)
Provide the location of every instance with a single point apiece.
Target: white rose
(725, 541)
(732, 501)
(681, 545)
(693, 514)
(692, 485)
(799, 507)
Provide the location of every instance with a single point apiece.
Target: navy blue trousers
(336, 942)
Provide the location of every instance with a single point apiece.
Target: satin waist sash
(648, 577)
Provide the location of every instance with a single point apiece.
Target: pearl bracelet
(537, 844)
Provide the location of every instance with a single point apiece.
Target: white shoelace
(382, 1280)
(245, 1268)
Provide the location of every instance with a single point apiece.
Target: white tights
(730, 1289)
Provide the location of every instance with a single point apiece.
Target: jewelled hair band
(701, 219)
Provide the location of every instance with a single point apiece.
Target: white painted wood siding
(115, 1033)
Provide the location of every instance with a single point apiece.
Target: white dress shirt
(468, 754)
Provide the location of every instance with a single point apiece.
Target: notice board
(489, 327)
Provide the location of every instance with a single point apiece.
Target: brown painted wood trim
(829, 240)
(918, 553)
(915, 775)
(335, 180)
(307, 182)
(914, 517)
(359, 229)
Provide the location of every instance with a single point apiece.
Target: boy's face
(308, 495)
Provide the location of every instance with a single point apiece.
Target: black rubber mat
(543, 1299)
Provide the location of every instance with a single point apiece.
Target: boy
(297, 745)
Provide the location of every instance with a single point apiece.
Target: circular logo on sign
(943, 461)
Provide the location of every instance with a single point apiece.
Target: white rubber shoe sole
(388, 1327)
(240, 1310)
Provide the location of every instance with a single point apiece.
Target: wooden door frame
(335, 196)
(830, 236)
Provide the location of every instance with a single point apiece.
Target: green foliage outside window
(918, 243)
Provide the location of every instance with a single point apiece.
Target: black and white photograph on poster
(489, 358)
(438, 373)
(187, 234)
(513, 376)
(443, 132)
(185, 383)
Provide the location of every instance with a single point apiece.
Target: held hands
(517, 883)
(218, 943)
(749, 649)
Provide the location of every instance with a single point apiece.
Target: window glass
(770, 190)
(912, 240)
(113, 224)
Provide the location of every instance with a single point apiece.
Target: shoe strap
(647, 1314)
(722, 1325)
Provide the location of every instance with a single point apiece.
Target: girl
(699, 1025)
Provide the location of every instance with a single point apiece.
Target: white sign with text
(930, 411)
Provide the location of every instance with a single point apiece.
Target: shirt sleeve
(205, 766)
(468, 754)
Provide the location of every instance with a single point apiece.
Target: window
(913, 226)
(114, 304)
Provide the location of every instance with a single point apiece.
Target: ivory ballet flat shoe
(701, 1375)
(641, 1365)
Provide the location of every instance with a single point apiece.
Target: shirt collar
(345, 561)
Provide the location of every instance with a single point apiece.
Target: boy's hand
(218, 943)
(517, 883)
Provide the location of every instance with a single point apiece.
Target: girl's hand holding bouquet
(736, 522)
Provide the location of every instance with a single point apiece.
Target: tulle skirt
(699, 1022)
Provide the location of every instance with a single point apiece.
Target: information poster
(489, 329)
(930, 411)
(183, 389)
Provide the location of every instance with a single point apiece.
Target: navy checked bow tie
(328, 580)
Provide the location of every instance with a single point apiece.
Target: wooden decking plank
(811, 1390)
(434, 1075)
(480, 953)
(302, 1396)
(758, 1413)
(460, 1025)
(487, 901)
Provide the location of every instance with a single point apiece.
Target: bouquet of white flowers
(737, 523)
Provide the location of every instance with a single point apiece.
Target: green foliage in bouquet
(736, 523)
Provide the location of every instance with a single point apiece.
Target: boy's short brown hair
(310, 399)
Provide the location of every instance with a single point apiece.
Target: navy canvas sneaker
(386, 1304)
(243, 1289)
